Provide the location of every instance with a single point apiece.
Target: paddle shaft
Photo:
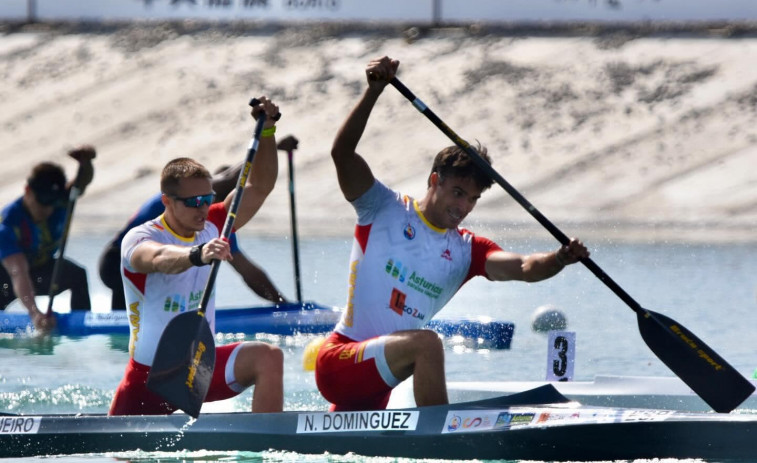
(489, 170)
(293, 222)
(73, 194)
(231, 216)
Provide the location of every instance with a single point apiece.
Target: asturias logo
(178, 302)
(396, 270)
(175, 303)
(414, 281)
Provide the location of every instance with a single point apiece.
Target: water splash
(171, 441)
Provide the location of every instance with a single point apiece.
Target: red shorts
(347, 380)
(133, 398)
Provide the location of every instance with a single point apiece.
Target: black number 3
(559, 367)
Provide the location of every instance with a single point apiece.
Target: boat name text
(19, 424)
(385, 420)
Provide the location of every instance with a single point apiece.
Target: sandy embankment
(619, 135)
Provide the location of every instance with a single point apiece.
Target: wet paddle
(73, 194)
(701, 368)
(289, 144)
(186, 355)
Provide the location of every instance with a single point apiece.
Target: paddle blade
(701, 368)
(184, 362)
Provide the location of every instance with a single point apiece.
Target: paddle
(73, 194)
(186, 355)
(701, 368)
(289, 144)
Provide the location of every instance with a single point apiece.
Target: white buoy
(548, 318)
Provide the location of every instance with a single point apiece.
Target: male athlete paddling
(165, 266)
(409, 258)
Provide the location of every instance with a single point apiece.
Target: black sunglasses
(196, 201)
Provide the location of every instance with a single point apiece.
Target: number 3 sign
(561, 354)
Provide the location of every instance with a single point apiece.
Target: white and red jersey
(403, 269)
(153, 299)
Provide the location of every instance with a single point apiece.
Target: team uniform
(19, 233)
(153, 300)
(403, 270)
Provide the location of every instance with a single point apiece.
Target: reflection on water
(33, 345)
(45, 345)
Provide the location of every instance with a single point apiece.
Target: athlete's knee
(428, 340)
(266, 359)
(274, 359)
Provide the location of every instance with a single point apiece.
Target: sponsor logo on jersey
(409, 232)
(397, 304)
(415, 281)
(178, 303)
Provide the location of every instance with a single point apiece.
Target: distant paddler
(32, 229)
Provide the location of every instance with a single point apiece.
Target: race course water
(711, 289)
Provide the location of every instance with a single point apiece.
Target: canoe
(654, 392)
(539, 424)
(283, 319)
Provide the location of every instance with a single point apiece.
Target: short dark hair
(180, 168)
(454, 161)
(48, 183)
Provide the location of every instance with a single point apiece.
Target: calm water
(711, 289)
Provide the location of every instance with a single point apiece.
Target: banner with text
(396, 11)
(276, 10)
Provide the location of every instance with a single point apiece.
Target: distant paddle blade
(184, 362)
(701, 368)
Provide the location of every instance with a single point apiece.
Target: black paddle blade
(701, 368)
(184, 362)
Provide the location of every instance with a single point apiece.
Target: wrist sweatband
(195, 255)
(265, 133)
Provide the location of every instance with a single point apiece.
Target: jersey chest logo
(409, 232)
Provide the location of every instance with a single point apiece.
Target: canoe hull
(578, 443)
(500, 428)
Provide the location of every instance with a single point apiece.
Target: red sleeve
(481, 248)
(217, 216)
